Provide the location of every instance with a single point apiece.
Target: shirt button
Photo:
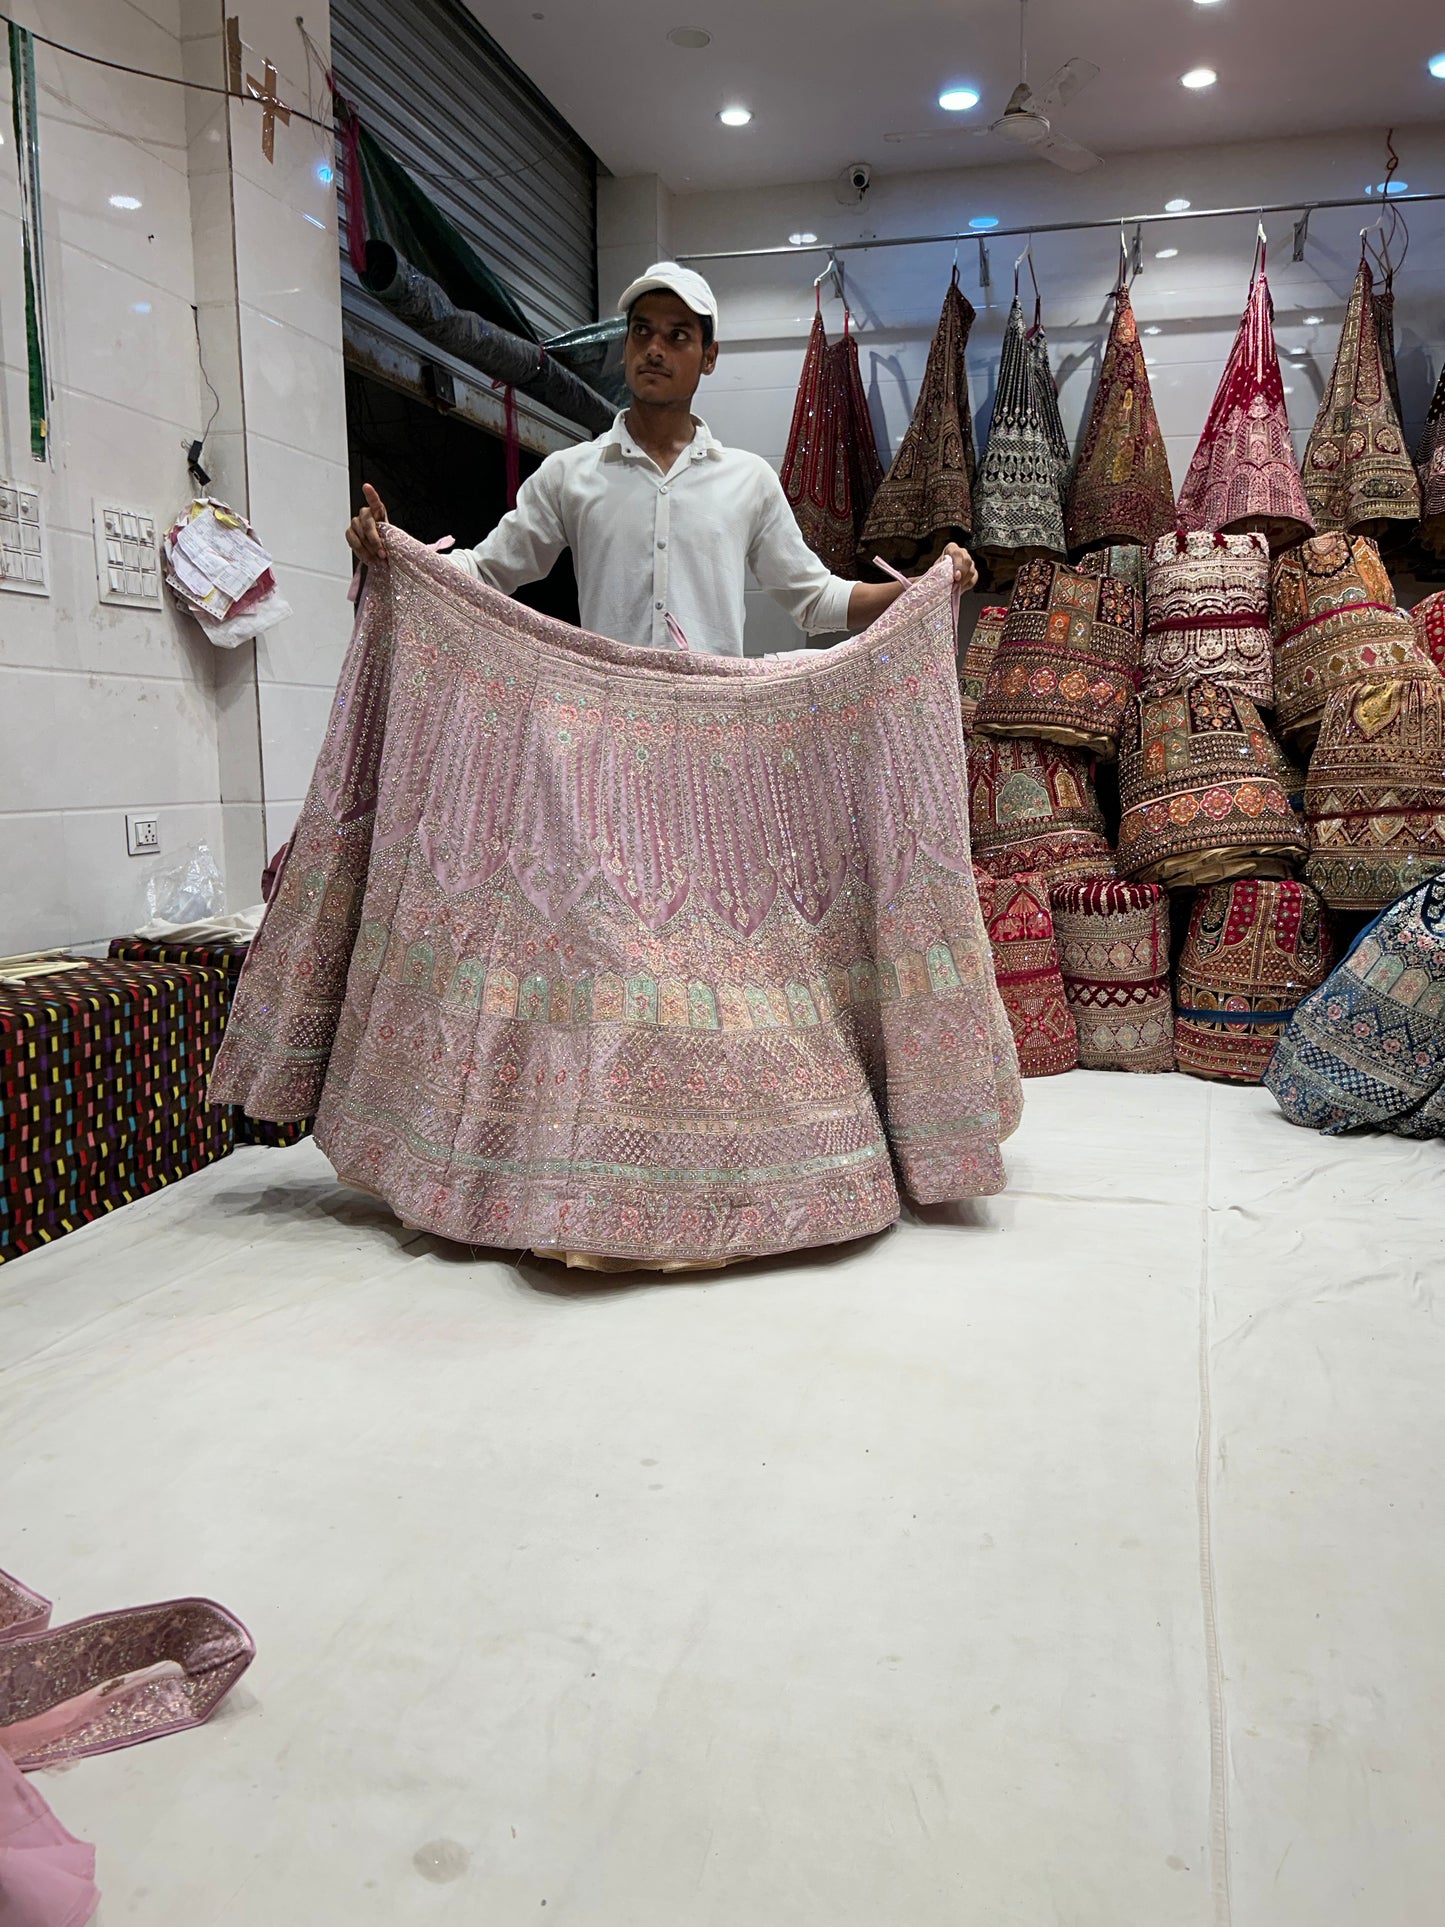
(663, 489)
(662, 545)
(657, 605)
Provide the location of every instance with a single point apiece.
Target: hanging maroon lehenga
(863, 469)
(1430, 465)
(926, 499)
(815, 470)
(1244, 478)
(1357, 474)
(1121, 489)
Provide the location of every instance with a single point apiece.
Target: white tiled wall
(103, 709)
(1194, 299)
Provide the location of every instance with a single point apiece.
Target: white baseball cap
(688, 286)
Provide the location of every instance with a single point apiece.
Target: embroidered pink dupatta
(644, 954)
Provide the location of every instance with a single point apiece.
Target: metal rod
(1053, 227)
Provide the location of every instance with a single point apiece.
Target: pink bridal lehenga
(649, 957)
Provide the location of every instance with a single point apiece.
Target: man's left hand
(965, 575)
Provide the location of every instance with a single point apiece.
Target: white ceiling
(827, 79)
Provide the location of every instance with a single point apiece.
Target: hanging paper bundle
(814, 472)
(1066, 665)
(1018, 503)
(1244, 475)
(1375, 793)
(1026, 969)
(926, 499)
(1430, 464)
(1333, 613)
(860, 446)
(1200, 796)
(1121, 489)
(1032, 806)
(1368, 1047)
(1357, 473)
(1208, 615)
(1254, 949)
(1114, 953)
(977, 660)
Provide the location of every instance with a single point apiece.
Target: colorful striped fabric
(228, 954)
(103, 1075)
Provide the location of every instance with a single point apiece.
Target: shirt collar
(618, 443)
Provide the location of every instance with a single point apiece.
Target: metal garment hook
(1301, 235)
(985, 277)
(834, 273)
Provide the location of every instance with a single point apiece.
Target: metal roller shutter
(502, 164)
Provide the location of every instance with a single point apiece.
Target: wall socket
(143, 835)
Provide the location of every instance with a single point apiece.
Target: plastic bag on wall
(219, 573)
(188, 890)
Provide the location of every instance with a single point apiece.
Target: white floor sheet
(1074, 1559)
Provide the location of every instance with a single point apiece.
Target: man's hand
(965, 575)
(363, 534)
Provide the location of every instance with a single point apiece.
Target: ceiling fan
(1025, 120)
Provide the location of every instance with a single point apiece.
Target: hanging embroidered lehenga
(637, 954)
(1357, 473)
(1244, 477)
(815, 475)
(1019, 500)
(926, 499)
(1121, 489)
(1430, 466)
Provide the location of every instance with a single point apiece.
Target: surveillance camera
(860, 177)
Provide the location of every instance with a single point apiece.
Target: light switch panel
(127, 557)
(22, 541)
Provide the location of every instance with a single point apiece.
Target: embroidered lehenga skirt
(638, 954)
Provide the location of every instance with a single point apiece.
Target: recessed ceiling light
(1198, 77)
(1389, 187)
(1206, 3)
(1437, 66)
(983, 221)
(958, 100)
(1165, 254)
(735, 116)
(127, 201)
(1178, 205)
(1153, 329)
(690, 37)
(1313, 320)
(805, 239)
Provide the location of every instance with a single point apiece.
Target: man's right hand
(363, 534)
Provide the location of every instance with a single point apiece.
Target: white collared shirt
(648, 546)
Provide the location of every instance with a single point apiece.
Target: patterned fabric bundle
(1244, 475)
(860, 444)
(926, 499)
(1357, 473)
(1026, 968)
(227, 954)
(103, 1091)
(1066, 663)
(1253, 951)
(1209, 615)
(815, 474)
(630, 953)
(1368, 1047)
(1200, 794)
(1334, 618)
(1019, 501)
(1428, 618)
(1375, 793)
(1114, 951)
(978, 660)
(1383, 302)
(1430, 466)
(1127, 560)
(1032, 807)
(1121, 489)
